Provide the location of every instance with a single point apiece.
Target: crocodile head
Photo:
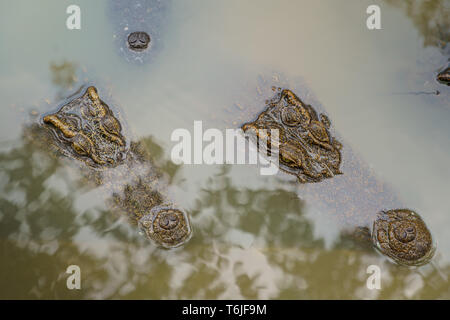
(402, 235)
(86, 129)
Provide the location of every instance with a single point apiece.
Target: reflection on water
(248, 243)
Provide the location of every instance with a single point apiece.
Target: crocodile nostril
(132, 38)
(138, 40)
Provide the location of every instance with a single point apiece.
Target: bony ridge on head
(166, 225)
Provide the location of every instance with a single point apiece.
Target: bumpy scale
(306, 147)
(87, 130)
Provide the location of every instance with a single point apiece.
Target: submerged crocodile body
(87, 130)
(333, 178)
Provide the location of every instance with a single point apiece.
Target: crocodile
(334, 179)
(138, 26)
(437, 33)
(87, 130)
(444, 76)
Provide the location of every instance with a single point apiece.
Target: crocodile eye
(291, 116)
(79, 148)
(444, 77)
(111, 125)
(81, 145)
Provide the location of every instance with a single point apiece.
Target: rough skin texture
(308, 150)
(306, 147)
(403, 236)
(165, 225)
(145, 18)
(87, 130)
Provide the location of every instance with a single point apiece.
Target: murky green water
(254, 237)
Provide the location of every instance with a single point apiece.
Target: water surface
(254, 237)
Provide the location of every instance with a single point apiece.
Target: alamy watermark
(73, 21)
(234, 146)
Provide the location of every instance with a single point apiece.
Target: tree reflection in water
(431, 18)
(248, 243)
(432, 21)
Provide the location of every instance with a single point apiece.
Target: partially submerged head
(307, 147)
(86, 129)
(166, 225)
(402, 235)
